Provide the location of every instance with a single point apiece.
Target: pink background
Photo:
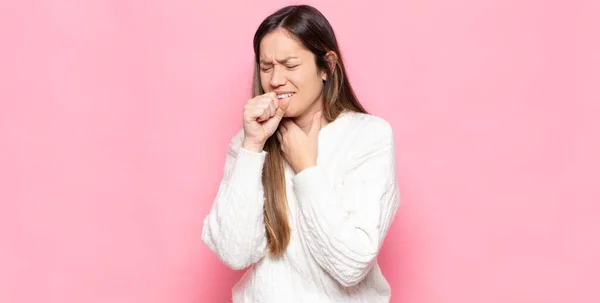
(115, 118)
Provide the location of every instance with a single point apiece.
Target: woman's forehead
(278, 45)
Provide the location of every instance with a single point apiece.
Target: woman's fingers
(273, 104)
(269, 103)
(261, 113)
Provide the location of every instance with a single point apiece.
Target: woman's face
(287, 67)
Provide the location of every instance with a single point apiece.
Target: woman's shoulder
(363, 126)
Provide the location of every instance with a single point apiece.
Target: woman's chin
(289, 114)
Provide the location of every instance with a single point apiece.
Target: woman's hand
(300, 148)
(262, 115)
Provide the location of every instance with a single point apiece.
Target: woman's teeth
(284, 95)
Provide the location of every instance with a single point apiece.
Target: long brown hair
(315, 33)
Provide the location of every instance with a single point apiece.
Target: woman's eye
(265, 69)
(292, 66)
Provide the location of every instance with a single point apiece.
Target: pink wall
(115, 118)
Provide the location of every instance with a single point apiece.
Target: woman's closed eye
(270, 67)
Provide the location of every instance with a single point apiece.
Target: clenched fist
(262, 115)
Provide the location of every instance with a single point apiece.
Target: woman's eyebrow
(280, 61)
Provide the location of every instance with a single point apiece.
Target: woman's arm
(344, 228)
(234, 229)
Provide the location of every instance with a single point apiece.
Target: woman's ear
(331, 59)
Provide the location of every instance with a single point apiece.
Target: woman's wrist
(253, 147)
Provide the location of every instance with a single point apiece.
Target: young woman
(309, 187)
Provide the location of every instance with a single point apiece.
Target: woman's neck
(305, 120)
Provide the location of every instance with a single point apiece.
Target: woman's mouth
(286, 95)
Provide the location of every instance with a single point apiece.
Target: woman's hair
(308, 26)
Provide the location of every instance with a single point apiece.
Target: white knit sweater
(339, 213)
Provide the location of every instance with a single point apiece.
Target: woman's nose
(277, 78)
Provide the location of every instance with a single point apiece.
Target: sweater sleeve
(234, 228)
(344, 227)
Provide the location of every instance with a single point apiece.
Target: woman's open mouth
(286, 95)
